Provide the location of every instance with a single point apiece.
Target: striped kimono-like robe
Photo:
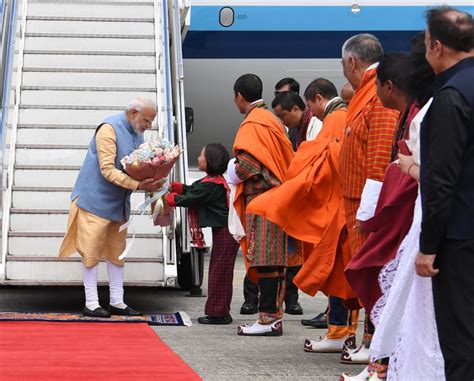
(266, 242)
(366, 151)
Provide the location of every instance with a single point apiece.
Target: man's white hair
(140, 103)
(365, 47)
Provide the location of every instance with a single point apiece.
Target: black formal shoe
(294, 309)
(215, 319)
(98, 312)
(319, 321)
(248, 309)
(127, 311)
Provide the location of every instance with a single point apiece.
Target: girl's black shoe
(215, 319)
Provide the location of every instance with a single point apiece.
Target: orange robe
(307, 206)
(334, 125)
(366, 151)
(263, 136)
(332, 128)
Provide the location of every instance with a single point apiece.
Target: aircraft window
(226, 16)
(355, 9)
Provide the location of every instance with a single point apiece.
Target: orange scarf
(363, 95)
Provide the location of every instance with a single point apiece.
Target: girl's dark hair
(421, 74)
(217, 158)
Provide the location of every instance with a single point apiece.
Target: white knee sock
(89, 275)
(116, 285)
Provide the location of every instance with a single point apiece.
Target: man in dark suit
(447, 187)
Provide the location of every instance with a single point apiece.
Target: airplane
(276, 39)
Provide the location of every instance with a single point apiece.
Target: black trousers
(291, 296)
(271, 285)
(453, 292)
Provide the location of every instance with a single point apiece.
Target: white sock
(116, 285)
(89, 275)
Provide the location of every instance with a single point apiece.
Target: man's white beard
(136, 127)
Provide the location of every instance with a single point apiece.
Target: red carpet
(43, 351)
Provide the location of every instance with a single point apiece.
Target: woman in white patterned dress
(404, 317)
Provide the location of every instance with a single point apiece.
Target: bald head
(347, 92)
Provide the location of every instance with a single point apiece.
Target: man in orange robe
(308, 206)
(321, 97)
(295, 114)
(262, 153)
(367, 146)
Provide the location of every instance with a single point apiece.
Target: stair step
(48, 244)
(60, 137)
(71, 271)
(70, 107)
(30, 155)
(61, 177)
(94, 2)
(34, 283)
(89, 79)
(31, 222)
(42, 116)
(83, 88)
(91, 35)
(41, 189)
(111, 27)
(91, 44)
(90, 100)
(65, 115)
(92, 62)
(80, 70)
(61, 235)
(48, 167)
(98, 9)
(88, 52)
(50, 197)
(51, 146)
(25, 258)
(57, 126)
(92, 19)
(51, 211)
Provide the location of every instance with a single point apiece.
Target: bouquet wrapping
(151, 159)
(154, 159)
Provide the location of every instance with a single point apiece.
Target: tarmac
(214, 352)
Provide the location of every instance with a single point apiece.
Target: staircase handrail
(13, 138)
(180, 109)
(8, 21)
(168, 102)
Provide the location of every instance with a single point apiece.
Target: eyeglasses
(147, 120)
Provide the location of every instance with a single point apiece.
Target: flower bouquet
(153, 159)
